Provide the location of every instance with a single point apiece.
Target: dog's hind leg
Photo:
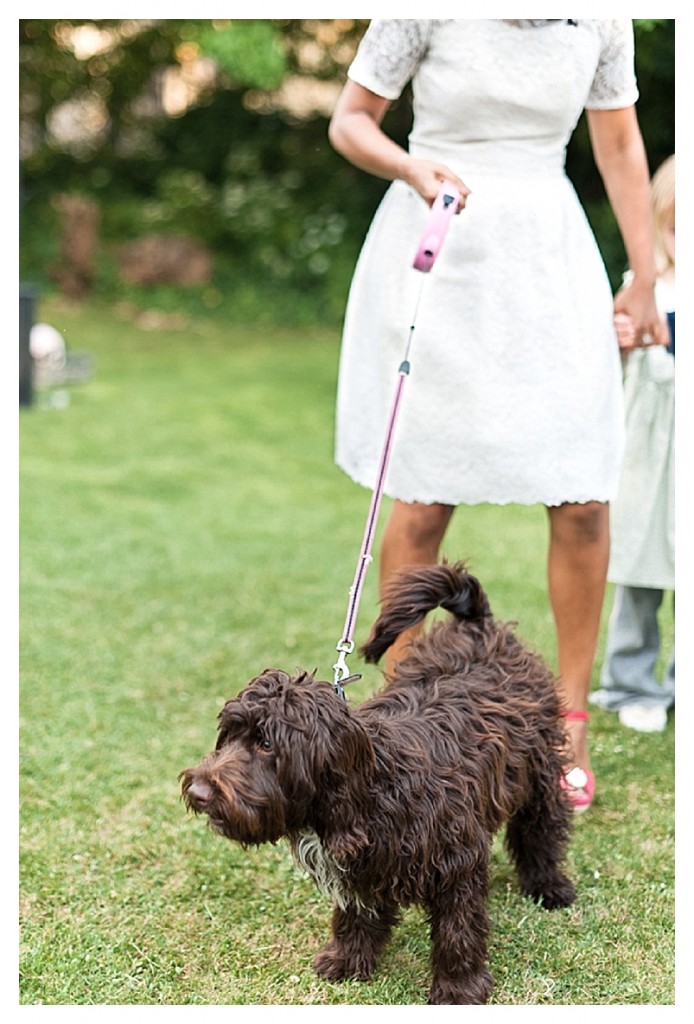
(359, 936)
(459, 930)
(537, 837)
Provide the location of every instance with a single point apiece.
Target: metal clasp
(341, 669)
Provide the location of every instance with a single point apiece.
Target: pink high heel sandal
(578, 783)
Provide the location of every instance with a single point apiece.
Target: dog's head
(287, 748)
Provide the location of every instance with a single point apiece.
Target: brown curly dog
(396, 802)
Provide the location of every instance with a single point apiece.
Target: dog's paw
(559, 894)
(472, 991)
(335, 966)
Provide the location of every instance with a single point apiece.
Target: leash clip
(342, 673)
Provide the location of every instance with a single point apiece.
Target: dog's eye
(263, 742)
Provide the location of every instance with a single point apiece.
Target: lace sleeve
(389, 55)
(614, 84)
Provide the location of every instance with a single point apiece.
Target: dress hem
(555, 501)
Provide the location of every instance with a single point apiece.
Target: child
(643, 517)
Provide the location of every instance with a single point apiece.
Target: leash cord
(346, 644)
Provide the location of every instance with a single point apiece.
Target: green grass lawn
(183, 527)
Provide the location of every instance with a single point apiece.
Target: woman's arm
(355, 132)
(621, 160)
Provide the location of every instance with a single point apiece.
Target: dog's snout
(199, 794)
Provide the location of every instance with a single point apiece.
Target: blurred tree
(217, 128)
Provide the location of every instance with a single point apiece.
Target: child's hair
(663, 204)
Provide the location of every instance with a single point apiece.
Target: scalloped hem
(478, 499)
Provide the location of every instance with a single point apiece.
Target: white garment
(515, 390)
(642, 517)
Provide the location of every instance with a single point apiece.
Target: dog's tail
(415, 592)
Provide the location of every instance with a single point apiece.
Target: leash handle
(442, 209)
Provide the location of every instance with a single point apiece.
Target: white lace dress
(515, 392)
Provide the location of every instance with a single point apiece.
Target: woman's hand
(637, 320)
(621, 159)
(355, 132)
(427, 177)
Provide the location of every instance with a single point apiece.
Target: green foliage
(261, 186)
(250, 51)
(182, 527)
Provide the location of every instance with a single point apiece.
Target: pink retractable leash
(443, 208)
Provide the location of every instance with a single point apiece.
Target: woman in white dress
(515, 392)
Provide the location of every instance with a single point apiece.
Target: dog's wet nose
(199, 794)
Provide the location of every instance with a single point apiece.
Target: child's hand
(626, 333)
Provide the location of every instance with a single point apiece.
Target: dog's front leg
(459, 930)
(358, 938)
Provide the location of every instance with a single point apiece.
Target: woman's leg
(412, 536)
(577, 572)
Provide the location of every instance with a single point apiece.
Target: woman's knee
(422, 525)
(586, 523)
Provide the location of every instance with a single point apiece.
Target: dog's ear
(326, 754)
(342, 747)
